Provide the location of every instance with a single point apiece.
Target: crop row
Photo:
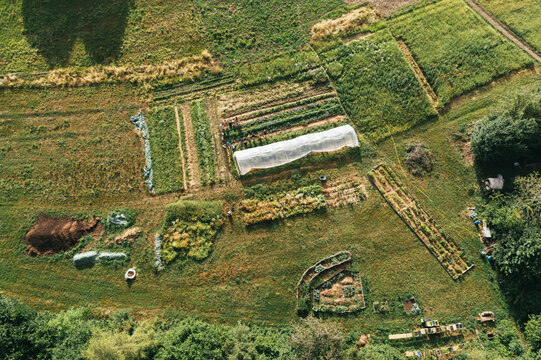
(419, 221)
(187, 89)
(282, 107)
(166, 161)
(299, 116)
(203, 142)
(301, 201)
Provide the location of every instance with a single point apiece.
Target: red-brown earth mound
(51, 235)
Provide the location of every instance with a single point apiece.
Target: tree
(374, 352)
(315, 339)
(258, 343)
(533, 332)
(192, 339)
(72, 329)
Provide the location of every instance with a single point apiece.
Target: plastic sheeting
(141, 125)
(283, 152)
(111, 256)
(157, 251)
(118, 219)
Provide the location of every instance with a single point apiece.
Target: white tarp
(283, 152)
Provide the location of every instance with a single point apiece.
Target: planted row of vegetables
(300, 116)
(280, 206)
(439, 243)
(203, 142)
(344, 191)
(179, 90)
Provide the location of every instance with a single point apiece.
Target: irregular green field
(165, 154)
(247, 29)
(251, 273)
(39, 35)
(455, 48)
(376, 85)
(522, 17)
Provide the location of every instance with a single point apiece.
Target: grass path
(501, 28)
(193, 161)
(180, 148)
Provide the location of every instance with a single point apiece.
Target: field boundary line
(180, 148)
(504, 30)
(418, 72)
(193, 160)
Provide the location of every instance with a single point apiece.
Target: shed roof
(283, 152)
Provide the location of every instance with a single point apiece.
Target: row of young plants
(189, 229)
(448, 253)
(179, 90)
(300, 116)
(166, 160)
(280, 206)
(288, 105)
(305, 285)
(469, 51)
(376, 85)
(203, 142)
(287, 135)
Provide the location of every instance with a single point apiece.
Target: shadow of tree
(52, 26)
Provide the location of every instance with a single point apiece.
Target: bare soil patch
(51, 235)
(193, 162)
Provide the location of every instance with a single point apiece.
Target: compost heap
(51, 235)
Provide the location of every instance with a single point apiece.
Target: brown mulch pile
(51, 235)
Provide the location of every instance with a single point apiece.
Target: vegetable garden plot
(450, 256)
(344, 191)
(517, 16)
(301, 201)
(203, 141)
(376, 85)
(456, 49)
(341, 294)
(164, 143)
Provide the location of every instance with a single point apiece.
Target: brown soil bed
(51, 235)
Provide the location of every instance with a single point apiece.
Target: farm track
(221, 162)
(193, 161)
(418, 72)
(503, 29)
(180, 149)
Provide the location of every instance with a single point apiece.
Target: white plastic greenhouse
(283, 152)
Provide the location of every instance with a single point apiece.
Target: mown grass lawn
(252, 273)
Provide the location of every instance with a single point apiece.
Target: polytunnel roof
(283, 152)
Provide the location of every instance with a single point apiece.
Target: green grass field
(376, 85)
(455, 48)
(517, 16)
(37, 35)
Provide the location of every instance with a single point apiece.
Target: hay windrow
(188, 68)
(347, 24)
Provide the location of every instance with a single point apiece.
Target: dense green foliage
(515, 221)
(510, 135)
(533, 331)
(246, 29)
(456, 49)
(166, 160)
(517, 16)
(376, 85)
(203, 141)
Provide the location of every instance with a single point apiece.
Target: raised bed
(441, 245)
(341, 294)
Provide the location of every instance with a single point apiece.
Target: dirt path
(180, 149)
(418, 72)
(221, 162)
(501, 28)
(193, 161)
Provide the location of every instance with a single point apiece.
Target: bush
(418, 159)
(533, 332)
